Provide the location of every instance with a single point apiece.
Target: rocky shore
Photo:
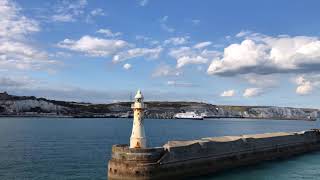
(11, 105)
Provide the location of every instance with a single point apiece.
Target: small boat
(188, 115)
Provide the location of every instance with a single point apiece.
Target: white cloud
(143, 2)
(151, 53)
(69, 10)
(13, 24)
(228, 93)
(97, 12)
(15, 31)
(94, 46)
(177, 40)
(181, 51)
(243, 33)
(261, 54)
(304, 88)
(120, 50)
(251, 92)
(179, 84)
(22, 56)
(165, 70)
(63, 18)
(262, 80)
(127, 66)
(202, 45)
(109, 33)
(147, 40)
(94, 13)
(164, 26)
(185, 60)
(187, 55)
(307, 83)
(237, 56)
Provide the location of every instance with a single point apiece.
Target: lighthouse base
(138, 142)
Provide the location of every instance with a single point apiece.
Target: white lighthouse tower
(138, 137)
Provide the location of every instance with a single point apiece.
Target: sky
(221, 52)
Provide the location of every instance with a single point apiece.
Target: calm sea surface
(58, 149)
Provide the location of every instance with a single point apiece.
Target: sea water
(75, 149)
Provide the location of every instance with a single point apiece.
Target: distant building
(4, 96)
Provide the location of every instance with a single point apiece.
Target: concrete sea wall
(181, 159)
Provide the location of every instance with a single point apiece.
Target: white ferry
(188, 115)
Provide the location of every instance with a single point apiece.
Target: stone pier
(181, 159)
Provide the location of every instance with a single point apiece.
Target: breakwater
(181, 159)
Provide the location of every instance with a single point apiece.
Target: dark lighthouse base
(181, 159)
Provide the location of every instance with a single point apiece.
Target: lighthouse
(138, 137)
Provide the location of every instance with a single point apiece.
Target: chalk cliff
(31, 106)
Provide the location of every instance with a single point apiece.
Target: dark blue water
(64, 149)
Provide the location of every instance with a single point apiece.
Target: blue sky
(221, 52)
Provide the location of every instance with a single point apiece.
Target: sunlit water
(58, 149)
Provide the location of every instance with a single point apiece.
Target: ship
(188, 115)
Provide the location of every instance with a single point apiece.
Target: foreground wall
(180, 159)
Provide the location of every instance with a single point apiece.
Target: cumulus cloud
(187, 55)
(15, 31)
(164, 25)
(251, 92)
(307, 83)
(119, 50)
(151, 53)
(261, 54)
(13, 24)
(165, 70)
(184, 60)
(22, 56)
(94, 46)
(177, 40)
(304, 88)
(202, 45)
(228, 93)
(109, 33)
(127, 66)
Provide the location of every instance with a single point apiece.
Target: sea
(79, 149)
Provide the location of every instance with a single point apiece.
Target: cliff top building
(4, 95)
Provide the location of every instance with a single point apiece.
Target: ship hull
(191, 118)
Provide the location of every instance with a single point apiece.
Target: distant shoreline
(30, 106)
(109, 117)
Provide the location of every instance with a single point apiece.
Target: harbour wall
(182, 159)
